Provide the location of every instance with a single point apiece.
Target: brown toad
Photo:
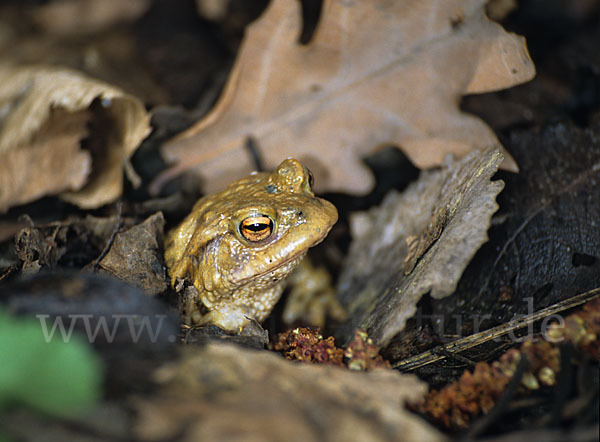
(237, 246)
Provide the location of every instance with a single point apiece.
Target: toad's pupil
(256, 228)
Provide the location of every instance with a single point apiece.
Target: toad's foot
(312, 297)
(226, 317)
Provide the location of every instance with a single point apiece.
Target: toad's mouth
(278, 271)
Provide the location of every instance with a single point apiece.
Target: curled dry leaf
(223, 392)
(374, 73)
(416, 242)
(45, 113)
(51, 162)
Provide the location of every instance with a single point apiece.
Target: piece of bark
(251, 336)
(136, 256)
(416, 242)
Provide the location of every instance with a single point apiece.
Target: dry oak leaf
(374, 73)
(45, 113)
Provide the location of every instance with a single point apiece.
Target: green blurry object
(55, 377)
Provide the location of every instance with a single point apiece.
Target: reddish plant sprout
(581, 329)
(362, 354)
(308, 345)
(455, 405)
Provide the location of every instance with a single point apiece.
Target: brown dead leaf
(416, 242)
(45, 151)
(50, 163)
(135, 256)
(223, 392)
(374, 73)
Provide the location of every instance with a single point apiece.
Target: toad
(237, 246)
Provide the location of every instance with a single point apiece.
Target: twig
(9, 271)
(563, 384)
(439, 353)
(443, 352)
(111, 240)
(252, 147)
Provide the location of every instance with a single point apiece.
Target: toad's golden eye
(256, 228)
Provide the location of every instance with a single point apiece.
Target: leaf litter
(429, 254)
